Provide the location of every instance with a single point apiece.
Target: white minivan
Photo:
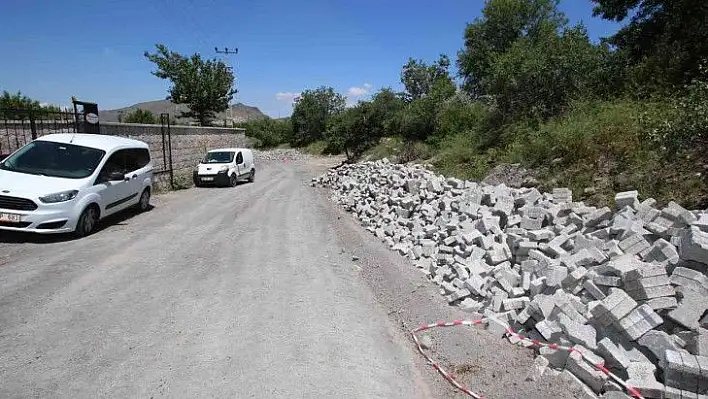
(66, 182)
(225, 167)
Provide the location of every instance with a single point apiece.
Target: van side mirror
(116, 176)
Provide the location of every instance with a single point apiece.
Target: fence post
(33, 125)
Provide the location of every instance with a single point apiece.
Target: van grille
(15, 203)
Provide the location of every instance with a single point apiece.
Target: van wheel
(233, 180)
(144, 203)
(87, 222)
(252, 176)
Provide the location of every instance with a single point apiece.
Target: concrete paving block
(690, 279)
(634, 244)
(541, 235)
(594, 378)
(461, 271)
(694, 245)
(627, 198)
(515, 303)
(598, 216)
(702, 222)
(661, 303)
(673, 368)
(690, 310)
(593, 289)
(538, 285)
(556, 358)
(555, 275)
(662, 252)
(615, 395)
(607, 281)
(550, 330)
(562, 195)
(623, 264)
(530, 223)
(642, 376)
(646, 270)
(613, 355)
(469, 305)
(658, 342)
(691, 372)
(498, 300)
(496, 326)
(703, 379)
(578, 333)
(574, 277)
(672, 393)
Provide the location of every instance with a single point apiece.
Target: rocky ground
(626, 288)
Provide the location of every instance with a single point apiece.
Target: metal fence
(20, 126)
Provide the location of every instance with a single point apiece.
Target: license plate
(207, 178)
(10, 218)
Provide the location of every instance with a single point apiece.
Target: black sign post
(87, 119)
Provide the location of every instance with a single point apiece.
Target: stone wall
(189, 143)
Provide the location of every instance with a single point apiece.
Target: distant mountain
(238, 113)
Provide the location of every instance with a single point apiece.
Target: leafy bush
(140, 116)
(684, 123)
(269, 132)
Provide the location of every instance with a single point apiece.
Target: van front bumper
(41, 221)
(219, 179)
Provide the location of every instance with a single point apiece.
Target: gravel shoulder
(488, 364)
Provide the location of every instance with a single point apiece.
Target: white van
(68, 182)
(225, 167)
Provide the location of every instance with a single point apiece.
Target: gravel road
(236, 292)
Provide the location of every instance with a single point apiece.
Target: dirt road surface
(233, 292)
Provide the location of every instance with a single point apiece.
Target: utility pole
(226, 52)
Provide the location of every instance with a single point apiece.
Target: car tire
(88, 221)
(233, 180)
(252, 176)
(144, 202)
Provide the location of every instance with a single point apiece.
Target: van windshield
(218, 157)
(48, 158)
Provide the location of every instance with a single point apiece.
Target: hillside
(240, 112)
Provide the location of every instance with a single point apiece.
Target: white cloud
(286, 96)
(359, 91)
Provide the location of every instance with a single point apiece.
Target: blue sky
(94, 49)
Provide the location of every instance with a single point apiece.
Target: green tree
(537, 78)
(140, 116)
(311, 113)
(664, 42)
(269, 132)
(417, 119)
(386, 106)
(10, 103)
(419, 78)
(502, 23)
(206, 86)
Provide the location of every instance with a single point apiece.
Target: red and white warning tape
(509, 332)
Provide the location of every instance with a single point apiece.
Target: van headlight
(223, 168)
(59, 197)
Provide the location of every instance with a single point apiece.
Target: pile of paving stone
(280, 155)
(627, 285)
